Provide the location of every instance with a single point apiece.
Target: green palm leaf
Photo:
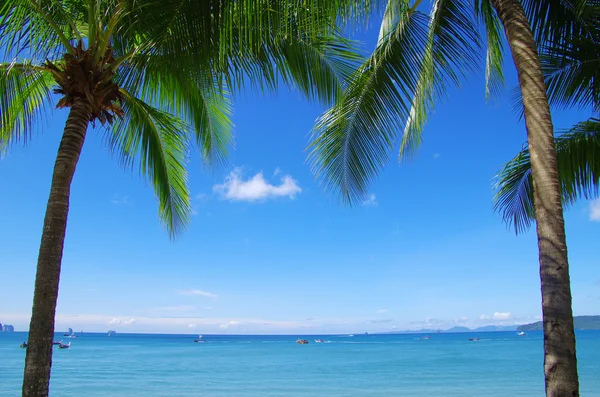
(24, 97)
(494, 75)
(160, 141)
(319, 68)
(451, 51)
(572, 71)
(352, 141)
(578, 156)
(553, 20)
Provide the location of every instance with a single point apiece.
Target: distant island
(487, 328)
(582, 323)
(7, 328)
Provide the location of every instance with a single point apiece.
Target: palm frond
(40, 28)
(159, 142)
(578, 157)
(319, 68)
(494, 76)
(572, 73)
(451, 51)
(556, 21)
(24, 97)
(197, 99)
(352, 140)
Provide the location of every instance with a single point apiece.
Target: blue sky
(268, 251)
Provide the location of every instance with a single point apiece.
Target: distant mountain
(487, 328)
(581, 323)
(496, 328)
(458, 329)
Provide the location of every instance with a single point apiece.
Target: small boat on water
(111, 333)
(23, 345)
(473, 339)
(319, 341)
(302, 341)
(57, 343)
(426, 337)
(69, 332)
(64, 346)
(521, 333)
(199, 340)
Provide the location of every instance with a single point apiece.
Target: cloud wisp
(197, 292)
(371, 201)
(122, 321)
(256, 188)
(595, 210)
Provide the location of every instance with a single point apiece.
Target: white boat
(521, 333)
(64, 346)
(199, 340)
(69, 332)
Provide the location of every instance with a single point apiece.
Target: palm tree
(156, 75)
(416, 57)
(572, 71)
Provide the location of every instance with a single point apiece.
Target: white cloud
(229, 324)
(502, 316)
(371, 200)
(121, 321)
(595, 210)
(182, 308)
(118, 199)
(198, 292)
(497, 316)
(257, 188)
(381, 311)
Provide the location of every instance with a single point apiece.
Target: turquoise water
(499, 364)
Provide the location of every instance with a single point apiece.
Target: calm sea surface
(499, 364)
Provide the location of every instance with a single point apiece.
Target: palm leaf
(451, 51)
(199, 101)
(494, 76)
(578, 157)
(572, 73)
(319, 68)
(24, 96)
(554, 20)
(352, 140)
(160, 141)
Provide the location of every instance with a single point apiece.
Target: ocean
(498, 364)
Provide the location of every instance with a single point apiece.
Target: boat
(72, 335)
(111, 333)
(319, 341)
(426, 337)
(521, 333)
(57, 343)
(199, 340)
(302, 341)
(64, 346)
(473, 339)
(69, 332)
(23, 345)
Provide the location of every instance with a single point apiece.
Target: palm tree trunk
(41, 329)
(560, 361)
